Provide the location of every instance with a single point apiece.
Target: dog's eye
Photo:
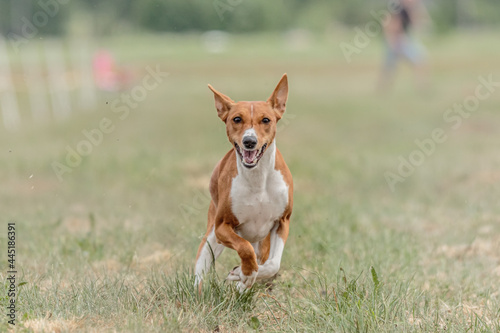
(237, 120)
(266, 120)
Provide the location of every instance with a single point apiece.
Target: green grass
(112, 247)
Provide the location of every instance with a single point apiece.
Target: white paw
(244, 281)
(198, 282)
(234, 275)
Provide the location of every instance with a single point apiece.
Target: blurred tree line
(108, 16)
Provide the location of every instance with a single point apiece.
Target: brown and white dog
(251, 190)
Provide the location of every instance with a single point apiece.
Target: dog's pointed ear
(279, 97)
(222, 103)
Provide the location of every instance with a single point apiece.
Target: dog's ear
(279, 97)
(222, 103)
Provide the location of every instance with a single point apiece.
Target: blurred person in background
(109, 76)
(400, 43)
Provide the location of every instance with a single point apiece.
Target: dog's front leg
(247, 272)
(279, 235)
(208, 252)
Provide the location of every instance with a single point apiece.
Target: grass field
(112, 246)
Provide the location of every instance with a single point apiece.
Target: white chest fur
(259, 197)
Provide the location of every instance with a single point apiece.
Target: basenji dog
(251, 189)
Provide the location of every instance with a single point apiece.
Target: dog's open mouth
(250, 158)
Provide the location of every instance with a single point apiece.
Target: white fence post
(58, 83)
(82, 59)
(32, 67)
(8, 98)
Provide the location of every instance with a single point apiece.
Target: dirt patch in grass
(480, 247)
(53, 325)
(76, 225)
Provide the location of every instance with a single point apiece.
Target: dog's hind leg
(274, 247)
(263, 249)
(263, 255)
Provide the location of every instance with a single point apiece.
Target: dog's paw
(198, 282)
(234, 274)
(244, 281)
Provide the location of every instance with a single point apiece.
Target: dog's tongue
(249, 156)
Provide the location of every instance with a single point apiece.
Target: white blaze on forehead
(250, 132)
(251, 110)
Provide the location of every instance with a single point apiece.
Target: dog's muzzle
(248, 157)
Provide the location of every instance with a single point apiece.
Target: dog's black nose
(249, 142)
